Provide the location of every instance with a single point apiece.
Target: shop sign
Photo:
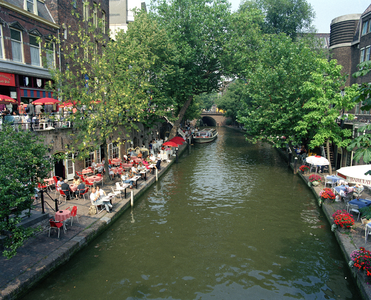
(7, 79)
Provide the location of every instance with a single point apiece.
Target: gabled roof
(16, 25)
(35, 32)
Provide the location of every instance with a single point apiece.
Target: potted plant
(343, 219)
(315, 179)
(304, 168)
(361, 259)
(327, 193)
(366, 214)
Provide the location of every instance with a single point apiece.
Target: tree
(276, 101)
(197, 28)
(115, 84)
(324, 102)
(231, 101)
(291, 17)
(23, 163)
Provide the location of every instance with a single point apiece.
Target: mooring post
(156, 174)
(132, 198)
(56, 205)
(42, 202)
(295, 165)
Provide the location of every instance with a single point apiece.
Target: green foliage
(233, 98)
(362, 145)
(366, 212)
(324, 102)
(284, 16)
(23, 163)
(275, 99)
(119, 83)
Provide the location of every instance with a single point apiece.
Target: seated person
(59, 182)
(141, 168)
(95, 199)
(152, 158)
(101, 192)
(128, 178)
(135, 171)
(81, 189)
(67, 190)
(76, 180)
(358, 189)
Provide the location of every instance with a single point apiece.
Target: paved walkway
(41, 254)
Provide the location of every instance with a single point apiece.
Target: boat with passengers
(205, 136)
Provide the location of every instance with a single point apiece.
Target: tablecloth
(94, 178)
(360, 202)
(62, 215)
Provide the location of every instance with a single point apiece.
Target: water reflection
(228, 222)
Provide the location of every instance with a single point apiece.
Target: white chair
(330, 182)
(353, 208)
(367, 231)
(116, 193)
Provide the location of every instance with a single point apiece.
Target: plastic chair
(74, 214)
(367, 231)
(63, 195)
(55, 225)
(330, 182)
(353, 208)
(84, 193)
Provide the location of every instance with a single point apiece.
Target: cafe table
(62, 216)
(94, 179)
(73, 187)
(116, 161)
(86, 171)
(360, 202)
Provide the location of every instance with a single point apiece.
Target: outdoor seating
(84, 193)
(367, 231)
(352, 208)
(55, 225)
(74, 214)
(63, 195)
(116, 192)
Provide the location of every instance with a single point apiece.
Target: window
(89, 160)
(367, 53)
(35, 51)
(74, 3)
(16, 41)
(50, 57)
(95, 16)
(31, 6)
(1, 43)
(103, 21)
(362, 56)
(113, 151)
(86, 10)
(365, 27)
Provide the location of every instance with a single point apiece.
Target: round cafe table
(73, 187)
(86, 171)
(63, 215)
(94, 179)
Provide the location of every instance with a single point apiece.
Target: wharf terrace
(41, 254)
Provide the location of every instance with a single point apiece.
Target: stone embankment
(41, 254)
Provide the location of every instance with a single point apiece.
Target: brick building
(350, 44)
(24, 27)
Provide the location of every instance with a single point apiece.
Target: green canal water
(229, 221)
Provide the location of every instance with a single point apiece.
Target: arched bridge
(213, 118)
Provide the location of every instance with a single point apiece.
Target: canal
(229, 221)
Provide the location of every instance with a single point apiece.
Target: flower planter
(315, 183)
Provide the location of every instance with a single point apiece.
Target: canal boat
(205, 136)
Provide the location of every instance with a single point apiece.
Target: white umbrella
(356, 174)
(317, 160)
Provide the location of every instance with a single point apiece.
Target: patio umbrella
(6, 100)
(178, 142)
(42, 101)
(171, 144)
(356, 174)
(68, 104)
(317, 160)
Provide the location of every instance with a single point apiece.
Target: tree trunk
(328, 156)
(181, 114)
(106, 169)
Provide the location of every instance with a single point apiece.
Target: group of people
(97, 197)
(65, 187)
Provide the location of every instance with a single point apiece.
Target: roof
(368, 9)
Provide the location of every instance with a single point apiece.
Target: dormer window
(364, 27)
(31, 6)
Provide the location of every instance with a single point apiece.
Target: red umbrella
(171, 144)
(42, 101)
(6, 99)
(178, 142)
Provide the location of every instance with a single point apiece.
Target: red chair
(78, 174)
(109, 162)
(63, 195)
(55, 180)
(55, 225)
(88, 183)
(74, 214)
(85, 192)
